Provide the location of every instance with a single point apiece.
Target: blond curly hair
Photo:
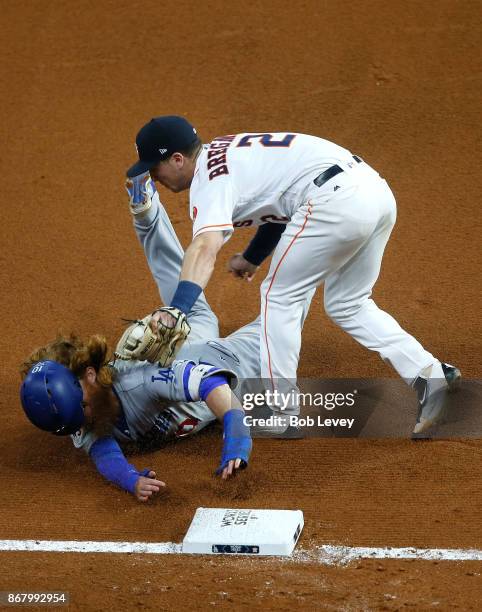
(77, 355)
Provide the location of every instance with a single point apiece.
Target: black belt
(332, 171)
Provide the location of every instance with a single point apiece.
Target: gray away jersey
(157, 403)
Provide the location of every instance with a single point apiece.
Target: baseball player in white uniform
(326, 216)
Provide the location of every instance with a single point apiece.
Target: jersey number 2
(267, 140)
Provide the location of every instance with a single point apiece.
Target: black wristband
(263, 243)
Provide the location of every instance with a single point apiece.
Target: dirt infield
(398, 83)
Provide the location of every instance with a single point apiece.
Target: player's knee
(334, 312)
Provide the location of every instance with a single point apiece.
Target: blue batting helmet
(52, 397)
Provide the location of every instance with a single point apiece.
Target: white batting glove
(141, 190)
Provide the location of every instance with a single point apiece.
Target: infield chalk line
(327, 554)
(151, 548)
(340, 555)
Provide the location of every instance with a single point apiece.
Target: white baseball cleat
(433, 385)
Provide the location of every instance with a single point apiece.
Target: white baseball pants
(338, 237)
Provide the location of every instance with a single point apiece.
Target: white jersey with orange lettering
(338, 213)
(248, 179)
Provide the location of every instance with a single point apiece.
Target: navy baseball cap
(159, 139)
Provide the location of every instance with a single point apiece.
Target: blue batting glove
(145, 473)
(237, 443)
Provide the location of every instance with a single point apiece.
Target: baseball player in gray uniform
(152, 405)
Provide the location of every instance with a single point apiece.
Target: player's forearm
(221, 400)
(197, 268)
(198, 264)
(237, 443)
(111, 463)
(263, 243)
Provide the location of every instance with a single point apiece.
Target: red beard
(105, 411)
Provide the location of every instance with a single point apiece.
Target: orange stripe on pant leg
(269, 289)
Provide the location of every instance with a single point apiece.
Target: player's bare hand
(229, 470)
(164, 317)
(148, 486)
(241, 268)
